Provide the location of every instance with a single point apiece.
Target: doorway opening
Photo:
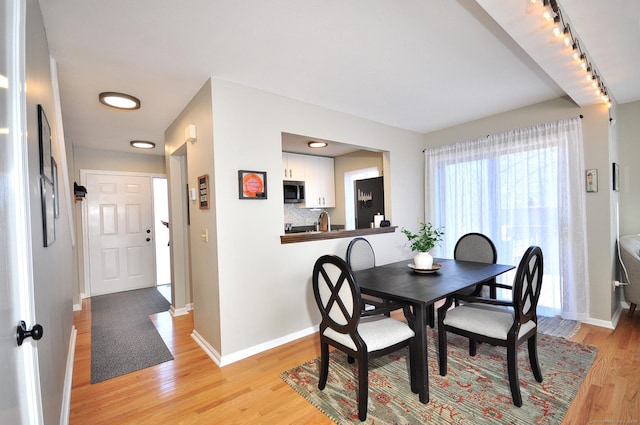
(161, 230)
(349, 195)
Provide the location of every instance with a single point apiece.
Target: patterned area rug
(475, 390)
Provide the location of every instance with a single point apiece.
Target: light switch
(204, 234)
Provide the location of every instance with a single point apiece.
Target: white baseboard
(248, 352)
(609, 324)
(68, 379)
(179, 311)
(211, 352)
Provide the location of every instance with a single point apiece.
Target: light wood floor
(193, 390)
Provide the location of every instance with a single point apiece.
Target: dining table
(420, 289)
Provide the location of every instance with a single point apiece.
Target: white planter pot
(423, 261)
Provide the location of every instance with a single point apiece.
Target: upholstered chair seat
(499, 322)
(343, 326)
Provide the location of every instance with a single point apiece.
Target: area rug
(123, 338)
(475, 390)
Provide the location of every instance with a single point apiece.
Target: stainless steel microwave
(293, 192)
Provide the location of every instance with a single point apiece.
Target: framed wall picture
(592, 180)
(252, 184)
(56, 190)
(44, 137)
(203, 191)
(48, 212)
(616, 177)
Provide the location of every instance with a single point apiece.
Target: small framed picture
(56, 191)
(203, 191)
(592, 180)
(44, 139)
(48, 213)
(252, 184)
(616, 177)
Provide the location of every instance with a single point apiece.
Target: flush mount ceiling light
(119, 100)
(314, 144)
(142, 144)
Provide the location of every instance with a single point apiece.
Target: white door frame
(86, 290)
(22, 394)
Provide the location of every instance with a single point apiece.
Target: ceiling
(420, 65)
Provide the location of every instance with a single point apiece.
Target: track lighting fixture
(551, 13)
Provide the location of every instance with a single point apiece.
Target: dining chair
(497, 322)
(342, 326)
(480, 248)
(360, 256)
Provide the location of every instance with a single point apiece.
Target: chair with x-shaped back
(338, 297)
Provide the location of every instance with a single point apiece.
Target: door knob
(23, 333)
(148, 231)
(148, 239)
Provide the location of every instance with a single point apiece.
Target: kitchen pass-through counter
(334, 234)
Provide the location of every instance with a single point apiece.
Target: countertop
(334, 234)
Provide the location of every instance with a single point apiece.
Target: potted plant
(427, 238)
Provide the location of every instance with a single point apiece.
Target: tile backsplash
(300, 216)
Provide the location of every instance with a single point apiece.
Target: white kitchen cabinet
(293, 166)
(320, 189)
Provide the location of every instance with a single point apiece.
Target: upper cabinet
(319, 182)
(293, 166)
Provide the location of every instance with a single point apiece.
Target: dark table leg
(422, 368)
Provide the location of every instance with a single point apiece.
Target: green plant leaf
(427, 238)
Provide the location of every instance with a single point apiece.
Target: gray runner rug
(123, 338)
(557, 326)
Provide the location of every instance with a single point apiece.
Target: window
(520, 188)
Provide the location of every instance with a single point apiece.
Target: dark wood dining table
(398, 282)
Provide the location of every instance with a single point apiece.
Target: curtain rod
(580, 116)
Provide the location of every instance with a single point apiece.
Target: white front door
(120, 232)
(19, 376)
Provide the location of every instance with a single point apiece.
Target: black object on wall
(79, 191)
(369, 194)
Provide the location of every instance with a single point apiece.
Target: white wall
(264, 287)
(52, 266)
(598, 153)
(628, 126)
(202, 271)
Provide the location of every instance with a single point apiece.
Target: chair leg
(512, 367)
(363, 386)
(324, 365)
(473, 347)
(533, 358)
(632, 309)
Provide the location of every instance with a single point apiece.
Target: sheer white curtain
(523, 187)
